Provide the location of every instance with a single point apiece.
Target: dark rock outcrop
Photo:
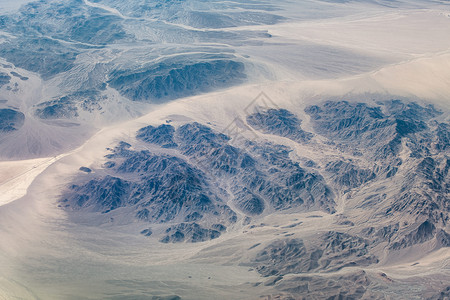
(161, 135)
(355, 285)
(348, 175)
(189, 232)
(423, 233)
(4, 79)
(174, 80)
(261, 174)
(68, 107)
(361, 125)
(331, 251)
(160, 187)
(11, 120)
(279, 122)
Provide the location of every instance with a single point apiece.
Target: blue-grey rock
(189, 232)
(39, 54)
(331, 252)
(147, 232)
(385, 233)
(11, 120)
(262, 173)
(57, 111)
(411, 110)
(85, 169)
(443, 238)
(24, 78)
(423, 233)
(351, 285)
(367, 127)
(159, 187)
(155, 83)
(67, 107)
(442, 137)
(280, 257)
(69, 20)
(192, 217)
(279, 122)
(161, 135)
(4, 79)
(348, 175)
(219, 227)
